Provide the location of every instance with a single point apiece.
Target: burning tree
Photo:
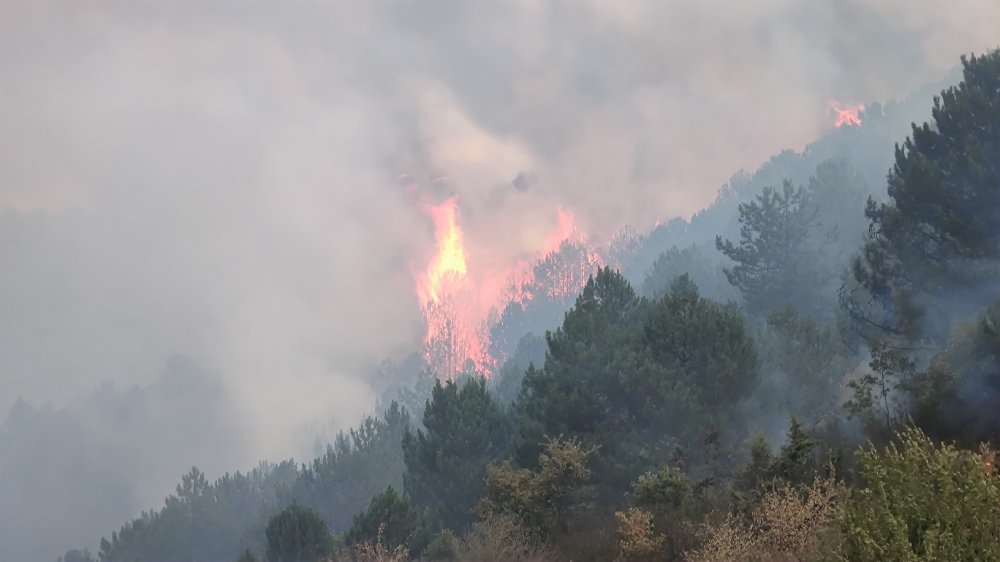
(461, 307)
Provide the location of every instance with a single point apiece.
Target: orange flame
(449, 301)
(849, 115)
(449, 263)
(565, 230)
(460, 307)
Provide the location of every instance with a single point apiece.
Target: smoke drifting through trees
(218, 181)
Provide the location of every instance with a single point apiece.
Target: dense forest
(809, 369)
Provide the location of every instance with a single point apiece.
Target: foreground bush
(637, 539)
(298, 534)
(375, 550)
(501, 538)
(921, 502)
(543, 500)
(787, 524)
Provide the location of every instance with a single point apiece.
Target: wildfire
(449, 300)
(448, 265)
(461, 306)
(566, 230)
(849, 115)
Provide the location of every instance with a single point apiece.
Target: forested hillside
(807, 370)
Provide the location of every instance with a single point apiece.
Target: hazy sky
(219, 178)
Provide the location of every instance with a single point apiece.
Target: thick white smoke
(217, 179)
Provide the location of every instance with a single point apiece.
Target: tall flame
(849, 115)
(448, 264)
(461, 306)
(449, 300)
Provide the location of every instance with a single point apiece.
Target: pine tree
(464, 430)
(806, 362)
(635, 378)
(753, 476)
(392, 519)
(772, 268)
(796, 462)
(582, 391)
(694, 261)
(701, 345)
(359, 464)
(939, 233)
(297, 534)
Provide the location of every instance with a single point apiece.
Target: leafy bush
(924, 501)
(787, 524)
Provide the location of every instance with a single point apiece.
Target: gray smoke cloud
(218, 179)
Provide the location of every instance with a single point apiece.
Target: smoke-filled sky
(218, 179)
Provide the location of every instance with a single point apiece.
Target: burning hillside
(463, 305)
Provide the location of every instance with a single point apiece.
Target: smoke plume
(219, 180)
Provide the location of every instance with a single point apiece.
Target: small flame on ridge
(849, 115)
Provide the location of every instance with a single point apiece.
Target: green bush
(923, 501)
(297, 534)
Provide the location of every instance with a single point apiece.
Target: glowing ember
(849, 115)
